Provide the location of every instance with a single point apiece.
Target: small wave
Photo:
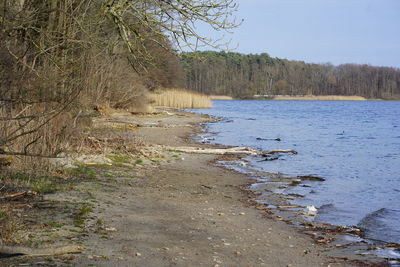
(327, 208)
(380, 225)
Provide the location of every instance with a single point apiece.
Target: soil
(163, 207)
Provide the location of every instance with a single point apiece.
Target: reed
(221, 97)
(180, 98)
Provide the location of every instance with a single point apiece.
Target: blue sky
(320, 31)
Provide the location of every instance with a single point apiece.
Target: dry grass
(180, 98)
(321, 97)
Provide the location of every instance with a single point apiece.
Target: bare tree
(50, 49)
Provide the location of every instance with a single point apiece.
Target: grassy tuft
(82, 171)
(3, 214)
(80, 216)
(118, 158)
(54, 224)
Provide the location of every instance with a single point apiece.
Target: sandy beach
(172, 209)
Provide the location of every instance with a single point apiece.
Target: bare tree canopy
(58, 57)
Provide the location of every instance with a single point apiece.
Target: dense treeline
(60, 59)
(242, 75)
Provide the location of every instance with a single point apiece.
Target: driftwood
(33, 252)
(217, 151)
(18, 195)
(231, 150)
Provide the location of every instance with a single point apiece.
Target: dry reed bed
(221, 97)
(179, 98)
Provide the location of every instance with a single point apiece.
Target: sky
(320, 31)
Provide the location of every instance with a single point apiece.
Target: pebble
(137, 254)
(242, 213)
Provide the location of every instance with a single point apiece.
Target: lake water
(355, 146)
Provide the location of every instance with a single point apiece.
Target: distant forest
(242, 76)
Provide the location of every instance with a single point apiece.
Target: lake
(353, 145)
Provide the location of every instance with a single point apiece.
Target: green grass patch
(174, 150)
(118, 158)
(82, 171)
(80, 216)
(3, 214)
(108, 175)
(40, 184)
(138, 161)
(78, 220)
(102, 166)
(54, 224)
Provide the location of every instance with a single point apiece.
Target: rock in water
(311, 210)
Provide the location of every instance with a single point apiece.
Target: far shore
(320, 97)
(298, 97)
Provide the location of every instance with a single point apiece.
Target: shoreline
(302, 98)
(165, 207)
(347, 242)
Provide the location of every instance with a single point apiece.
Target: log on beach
(217, 151)
(231, 150)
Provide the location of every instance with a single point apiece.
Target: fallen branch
(33, 252)
(19, 195)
